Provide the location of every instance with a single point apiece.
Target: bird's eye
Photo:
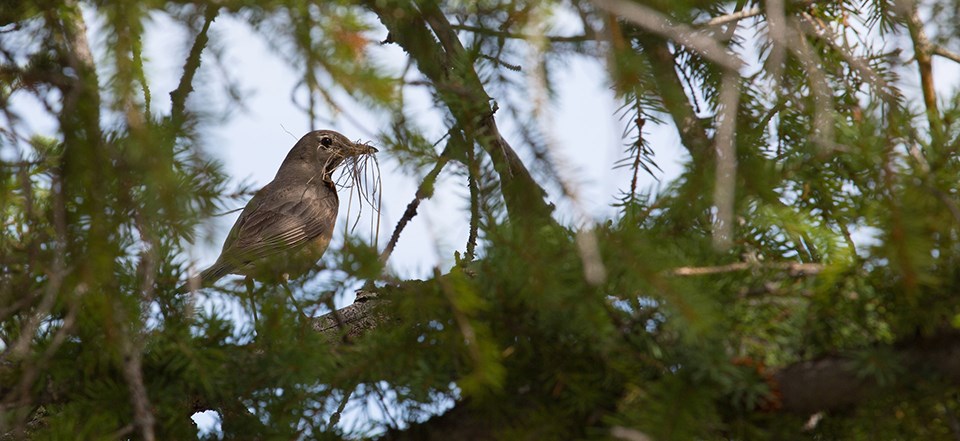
(326, 141)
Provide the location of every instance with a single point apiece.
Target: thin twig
(922, 49)
(792, 268)
(335, 417)
(588, 248)
(823, 119)
(946, 53)
(520, 36)
(818, 29)
(724, 189)
(659, 24)
(423, 192)
(777, 31)
(732, 17)
(178, 97)
(473, 172)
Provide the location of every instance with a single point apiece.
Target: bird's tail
(206, 278)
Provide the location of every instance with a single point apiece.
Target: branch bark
(804, 388)
(692, 131)
(178, 97)
(450, 69)
(837, 382)
(922, 51)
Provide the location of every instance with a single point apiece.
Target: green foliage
(844, 251)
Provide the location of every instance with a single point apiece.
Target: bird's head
(325, 150)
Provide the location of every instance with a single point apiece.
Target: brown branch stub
(946, 53)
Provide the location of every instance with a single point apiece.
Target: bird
(285, 228)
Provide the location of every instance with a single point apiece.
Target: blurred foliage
(641, 325)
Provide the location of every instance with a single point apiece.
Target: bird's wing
(280, 225)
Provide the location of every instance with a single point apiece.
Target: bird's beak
(362, 149)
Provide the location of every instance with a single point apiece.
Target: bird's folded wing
(281, 228)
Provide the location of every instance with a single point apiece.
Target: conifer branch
(656, 23)
(178, 97)
(922, 51)
(825, 384)
(424, 191)
(450, 70)
(946, 53)
(732, 17)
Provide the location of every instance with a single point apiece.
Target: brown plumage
(284, 230)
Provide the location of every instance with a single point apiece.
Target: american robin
(287, 225)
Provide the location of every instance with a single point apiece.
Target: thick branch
(692, 131)
(837, 382)
(450, 68)
(351, 321)
(652, 21)
(826, 384)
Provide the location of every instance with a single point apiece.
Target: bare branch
(178, 96)
(521, 36)
(133, 375)
(725, 186)
(692, 132)
(946, 53)
(791, 268)
(456, 81)
(922, 49)
(818, 29)
(659, 24)
(732, 17)
(823, 118)
(473, 175)
(836, 382)
(424, 191)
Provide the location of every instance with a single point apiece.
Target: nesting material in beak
(361, 149)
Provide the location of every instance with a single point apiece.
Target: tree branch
(946, 53)
(791, 268)
(424, 191)
(837, 382)
(732, 17)
(522, 36)
(922, 50)
(178, 97)
(692, 131)
(826, 384)
(450, 69)
(656, 23)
